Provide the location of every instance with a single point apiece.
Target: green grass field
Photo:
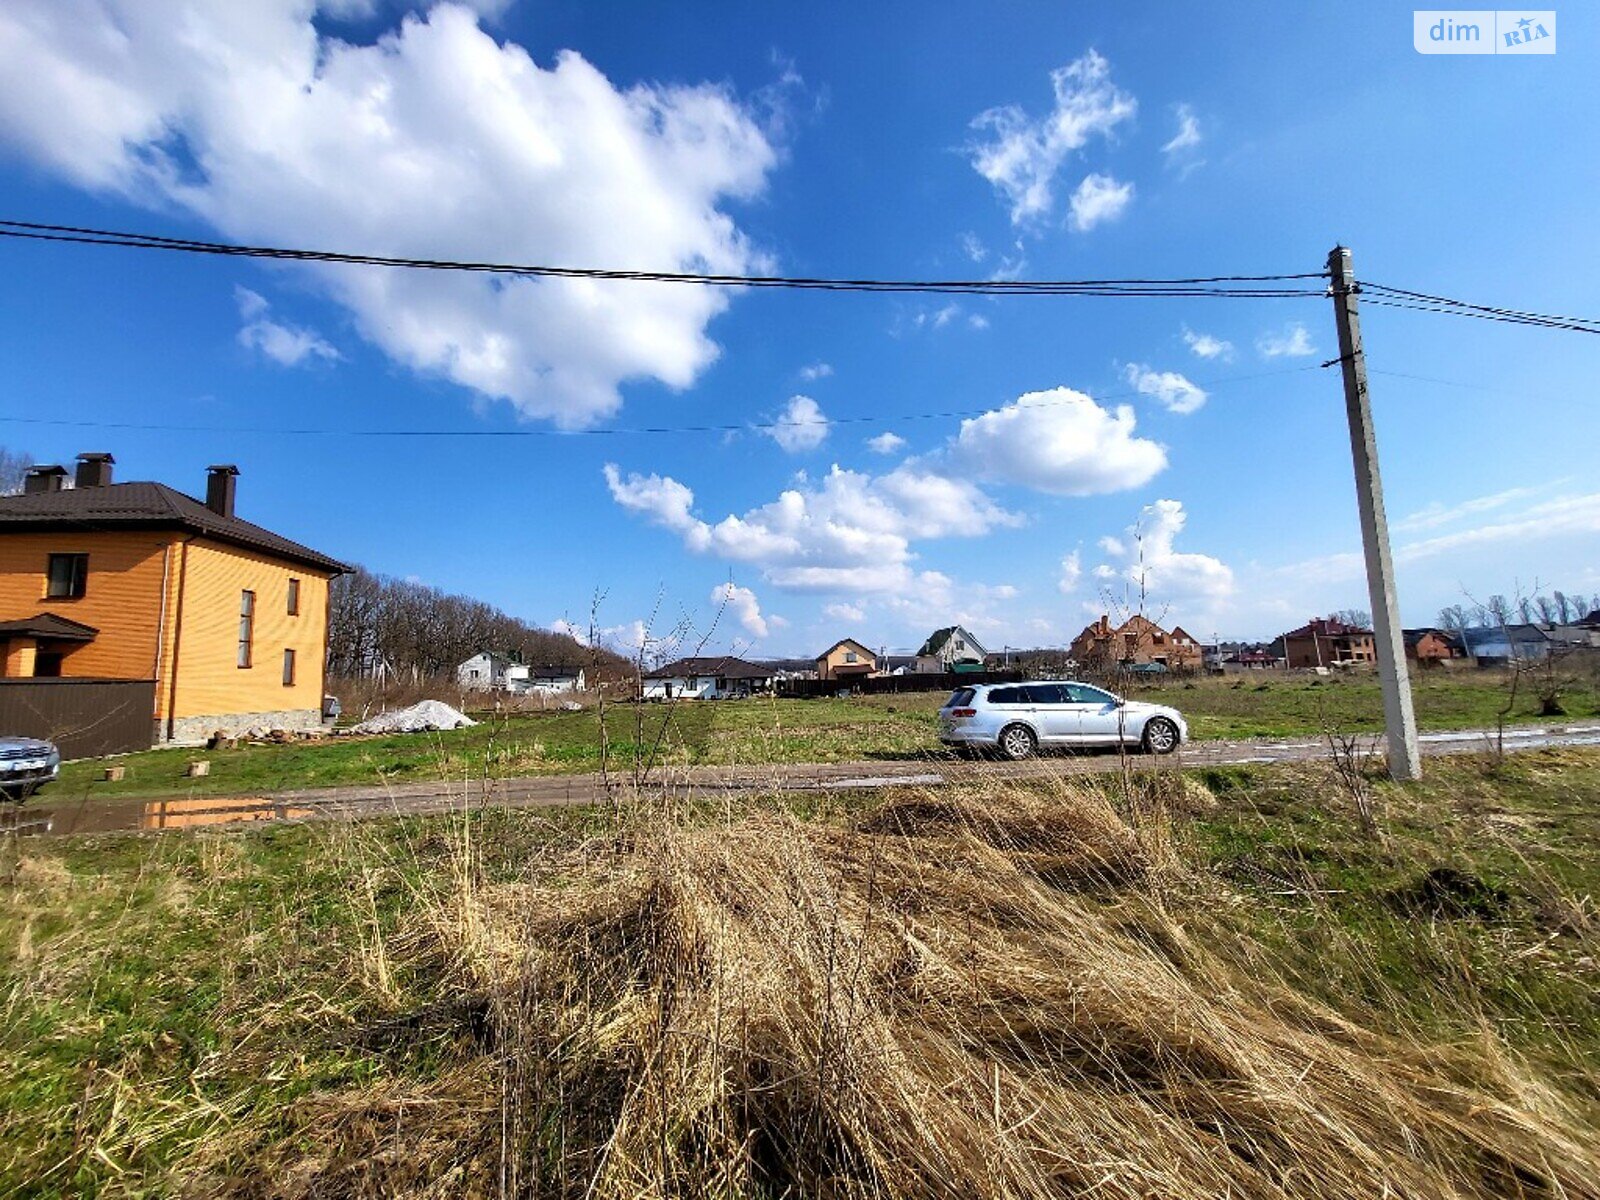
(186, 1013)
(767, 731)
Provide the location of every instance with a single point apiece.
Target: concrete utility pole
(1405, 760)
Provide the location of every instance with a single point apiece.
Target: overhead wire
(622, 431)
(1386, 296)
(1236, 286)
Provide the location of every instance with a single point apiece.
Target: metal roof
(144, 505)
(721, 668)
(49, 627)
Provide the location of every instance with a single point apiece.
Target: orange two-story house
(140, 581)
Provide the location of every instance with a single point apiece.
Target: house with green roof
(950, 649)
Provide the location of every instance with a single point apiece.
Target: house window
(850, 656)
(68, 576)
(288, 668)
(294, 597)
(247, 626)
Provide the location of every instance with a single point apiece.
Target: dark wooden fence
(889, 685)
(83, 717)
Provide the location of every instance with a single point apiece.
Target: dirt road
(44, 816)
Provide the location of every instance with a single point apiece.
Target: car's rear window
(1006, 695)
(960, 698)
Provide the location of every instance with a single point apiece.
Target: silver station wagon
(1016, 719)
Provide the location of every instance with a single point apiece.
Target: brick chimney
(221, 481)
(94, 470)
(44, 479)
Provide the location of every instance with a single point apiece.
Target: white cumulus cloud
(1099, 198)
(856, 533)
(1171, 579)
(1292, 341)
(434, 141)
(287, 345)
(1204, 345)
(1021, 156)
(801, 426)
(742, 604)
(628, 637)
(661, 499)
(848, 532)
(815, 371)
(885, 443)
(1059, 441)
(1071, 574)
(1175, 392)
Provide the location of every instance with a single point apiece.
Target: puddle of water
(45, 819)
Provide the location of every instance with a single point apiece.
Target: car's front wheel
(1160, 736)
(1017, 742)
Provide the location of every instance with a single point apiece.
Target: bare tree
(1359, 617)
(14, 465)
(382, 627)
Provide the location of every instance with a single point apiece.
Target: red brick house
(1431, 647)
(1329, 642)
(1138, 641)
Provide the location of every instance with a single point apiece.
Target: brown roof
(148, 506)
(49, 627)
(1328, 627)
(721, 668)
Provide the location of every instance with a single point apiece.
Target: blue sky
(1031, 141)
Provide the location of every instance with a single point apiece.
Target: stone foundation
(192, 731)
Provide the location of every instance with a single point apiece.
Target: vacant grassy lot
(758, 732)
(1215, 984)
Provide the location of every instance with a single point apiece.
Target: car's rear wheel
(1017, 742)
(1160, 736)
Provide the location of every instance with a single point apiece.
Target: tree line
(1557, 608)
(387, 628)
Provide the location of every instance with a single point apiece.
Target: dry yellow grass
(1004, 995)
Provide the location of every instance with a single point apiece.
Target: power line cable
(1201, 286)
(1238, 286)
(1430, 298)
(613, 431)
(1389, 297)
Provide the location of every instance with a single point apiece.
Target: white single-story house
(491, 671)
(549, 680)
(706, 679)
